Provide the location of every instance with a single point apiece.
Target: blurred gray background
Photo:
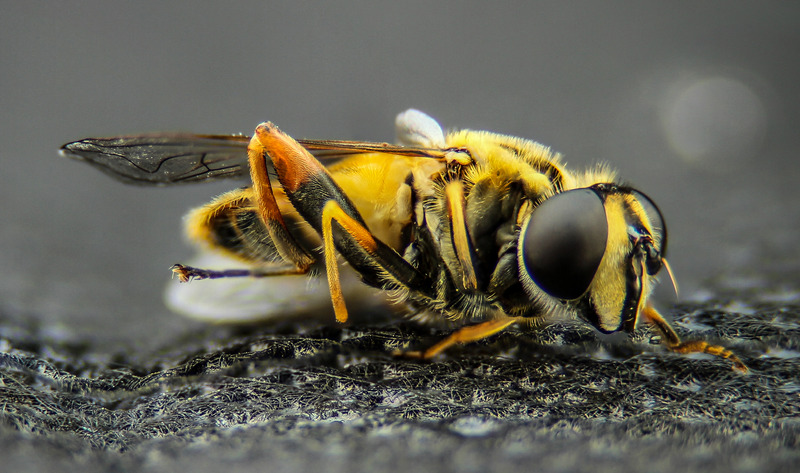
(694, 103)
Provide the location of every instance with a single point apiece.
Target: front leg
(674, 343)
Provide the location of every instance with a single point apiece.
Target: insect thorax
(508, 178)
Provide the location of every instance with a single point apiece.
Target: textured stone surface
(312, 397)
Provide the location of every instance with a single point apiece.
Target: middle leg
(470, 333)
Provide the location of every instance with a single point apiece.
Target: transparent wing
(162, 159)
(165, 159)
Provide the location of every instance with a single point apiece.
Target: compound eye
(564, 242)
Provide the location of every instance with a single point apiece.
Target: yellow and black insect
(479, 228)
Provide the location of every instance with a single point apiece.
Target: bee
(477, 228)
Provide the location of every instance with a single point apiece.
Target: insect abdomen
(231, 223)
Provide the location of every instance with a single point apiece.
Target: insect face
(594, 250)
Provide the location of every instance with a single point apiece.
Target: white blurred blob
(248, 300)
(714, 121)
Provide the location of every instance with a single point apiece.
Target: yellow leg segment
(674, 343)
(332, 211)
(470, 333)
(461, 241)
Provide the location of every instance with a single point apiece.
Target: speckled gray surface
(304, 397)
(695, 104)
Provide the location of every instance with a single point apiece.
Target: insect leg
(470, 333)
(187, 273)
(674, 343)
(315, 195)
(372, 258)
(462, 244)
(268, 209)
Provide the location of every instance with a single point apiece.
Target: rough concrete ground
(310, 397)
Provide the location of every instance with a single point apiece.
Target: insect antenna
(671, 275)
